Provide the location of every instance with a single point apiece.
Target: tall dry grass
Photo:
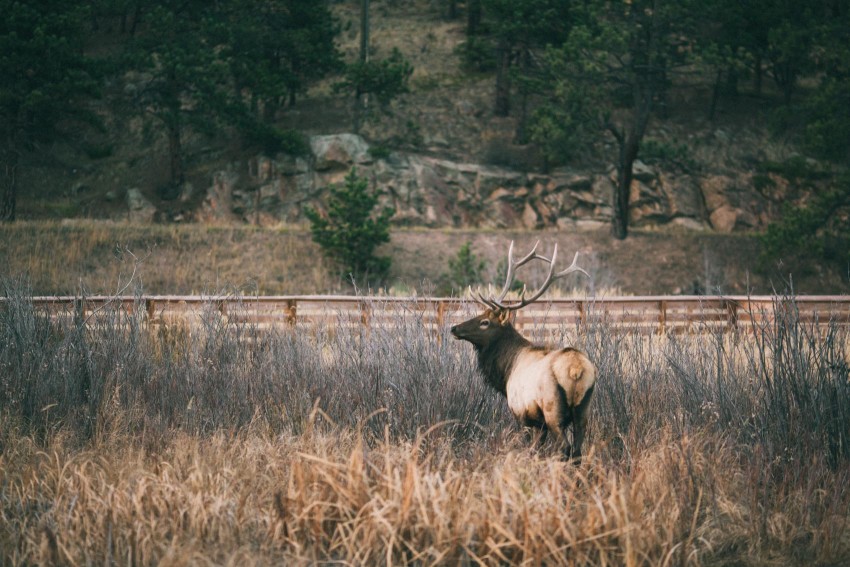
(223, 445)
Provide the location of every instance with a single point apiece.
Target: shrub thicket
(783, 387)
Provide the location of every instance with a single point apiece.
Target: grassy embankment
(121, 443)
(60, 257)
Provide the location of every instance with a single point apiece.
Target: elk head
(499, 313)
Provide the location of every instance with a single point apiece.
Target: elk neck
(496, 359)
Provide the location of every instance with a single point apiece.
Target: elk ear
(507, 317)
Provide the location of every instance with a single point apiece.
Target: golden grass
(253, 498)
(97, 257)
(59, 258)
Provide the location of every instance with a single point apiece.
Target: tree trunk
(715, 95)
(731, 81)
(662, 89)
(629, 145)
(172, 119)
(503, 80)
(785, 77)
(452, 9)
(137, 15)
(361, 103)
(175, 154)
(628, 154)
(788, 90)
(759, 72)
(473, 17)
(8, 179)
(521, 136)
(364, 30)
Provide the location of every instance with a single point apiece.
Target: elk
(546, 389)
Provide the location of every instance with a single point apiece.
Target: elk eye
(484, 323)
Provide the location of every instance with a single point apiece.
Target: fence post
(150, 308)
(79, 310)
(662, 317)
(291, 312)
(732, 315)
(365, 314)
(441, 314)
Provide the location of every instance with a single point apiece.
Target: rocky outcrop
(339, 150)
(432, 192)
(139, 209)
(731, 205)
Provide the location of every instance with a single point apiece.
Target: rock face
(140, 209)
(340, 150)
(431, 192)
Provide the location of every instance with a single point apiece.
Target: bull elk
(546, 389)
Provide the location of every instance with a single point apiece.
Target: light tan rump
(575, 373)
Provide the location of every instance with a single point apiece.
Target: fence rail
(649, 314)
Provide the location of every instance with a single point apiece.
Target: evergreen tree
(827, 110)
(816, 232)
(613, 71)
(465, 269)
(352, 229)
(516, 28)
(182, 78)
(276, 48)
(201, 66)
(384, 79)
(45, 77)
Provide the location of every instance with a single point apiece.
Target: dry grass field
(59, 258)
(122, 443)
(63, 257)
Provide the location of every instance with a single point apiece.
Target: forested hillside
(717, 115)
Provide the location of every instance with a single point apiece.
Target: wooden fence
(655, 314)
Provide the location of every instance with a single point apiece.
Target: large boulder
(339, 151)
(218, 204)
(643, 172)
(648, 204)
(724, 218)
(602, 190)
(714, 190)
(684, 196)
(140, 209)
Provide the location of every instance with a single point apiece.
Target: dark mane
(496, 360)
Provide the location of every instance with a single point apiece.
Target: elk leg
(566, 448)
(540, 435)
(580, 415)
(535, 429)
(558, 421)
(559, 418)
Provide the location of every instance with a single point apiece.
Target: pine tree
(352, 229)
(178, 52)
(45, 75)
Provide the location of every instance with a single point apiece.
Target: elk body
(546, 389)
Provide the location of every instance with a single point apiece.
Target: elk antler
(498, 303)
